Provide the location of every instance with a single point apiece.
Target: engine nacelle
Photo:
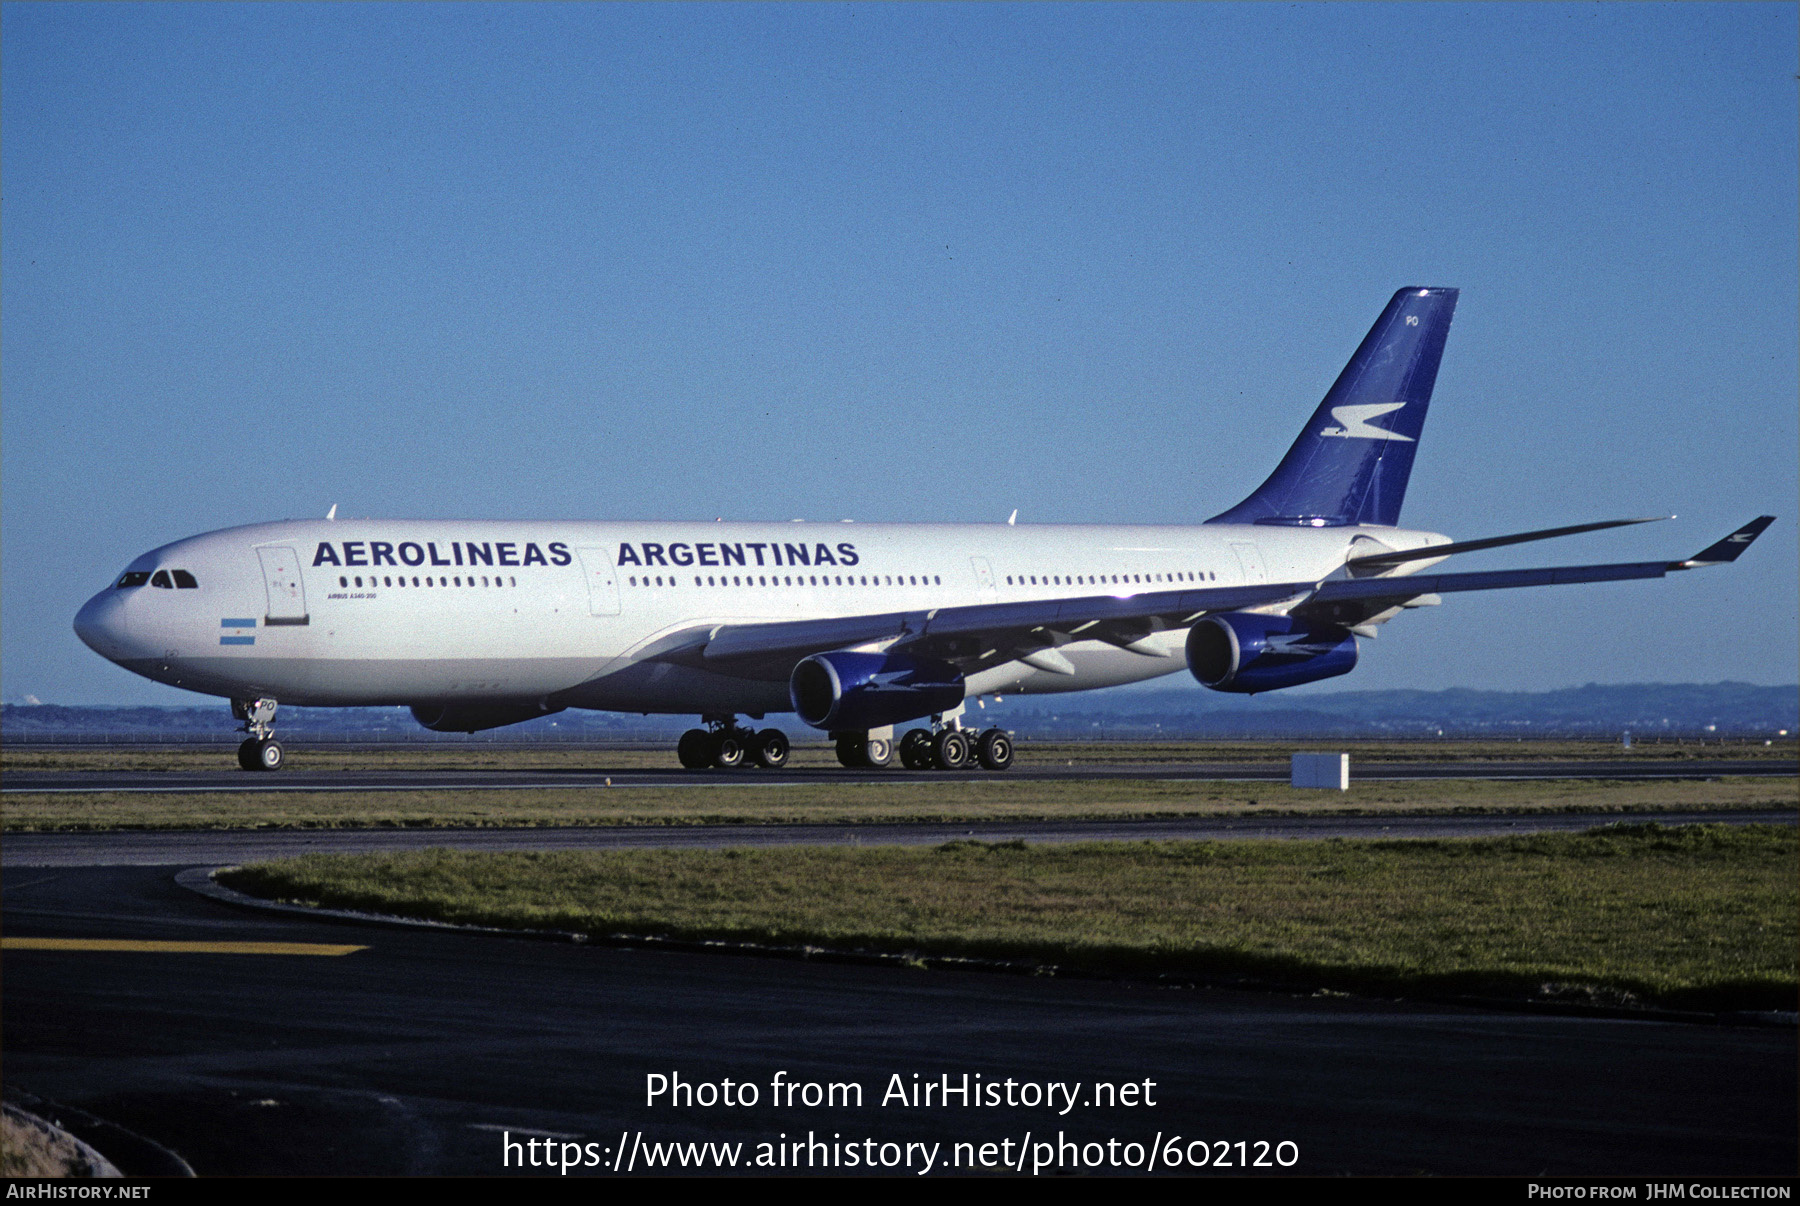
(461, 718)
(1246, 653)
(845, 691)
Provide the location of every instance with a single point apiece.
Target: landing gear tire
(915, 750)
(695, 749)
(995, 749)
(771, 749)
(850, 753)
(950, 750)
(877, 752)
(728, 751)
(261, 754)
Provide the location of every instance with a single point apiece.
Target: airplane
(857, 628)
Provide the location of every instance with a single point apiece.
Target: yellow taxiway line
(176, 948)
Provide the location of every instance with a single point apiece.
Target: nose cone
(101, 625)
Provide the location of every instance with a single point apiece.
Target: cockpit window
(161, 578)
(133, 578)
(184, 580)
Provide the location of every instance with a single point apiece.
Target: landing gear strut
(260, 751)
(725, 745)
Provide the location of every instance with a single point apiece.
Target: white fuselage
(361, 612)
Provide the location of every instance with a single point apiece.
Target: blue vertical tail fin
(1352, 460)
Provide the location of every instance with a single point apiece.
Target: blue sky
(908, 262)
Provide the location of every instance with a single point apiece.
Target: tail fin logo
(1355, 420)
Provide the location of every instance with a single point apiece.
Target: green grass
(1691, 917)
(948, 800)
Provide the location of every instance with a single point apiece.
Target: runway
(229, 779)
(187, 848)
(424, 1052)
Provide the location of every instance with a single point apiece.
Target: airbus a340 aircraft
(856, 627)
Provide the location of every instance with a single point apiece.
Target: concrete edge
(132, 1155)
(93, 1164)
(200, 880)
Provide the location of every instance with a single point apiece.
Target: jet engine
(452, 718)
(846, 691)
(1246, 653)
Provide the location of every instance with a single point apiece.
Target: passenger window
(161, 578)
(343, 582)
(134, 578)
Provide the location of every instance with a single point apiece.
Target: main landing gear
(944, 746)
(955, 749)
(260, 751)
(724, 745)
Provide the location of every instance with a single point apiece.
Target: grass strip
(951, 801)
(1697, 917)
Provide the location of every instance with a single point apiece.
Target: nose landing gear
(260, 751)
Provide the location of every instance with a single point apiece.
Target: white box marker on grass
(1328, 771)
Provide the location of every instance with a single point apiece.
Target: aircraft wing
(980, 635)
(1351, 600)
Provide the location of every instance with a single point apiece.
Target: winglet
(1728, 549)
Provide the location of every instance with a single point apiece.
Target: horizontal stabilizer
(1494, 542)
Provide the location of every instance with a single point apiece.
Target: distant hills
(1648, 709)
